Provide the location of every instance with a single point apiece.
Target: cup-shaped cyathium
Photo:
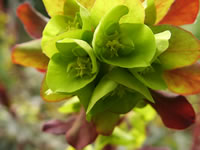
(123, 44)
(58, 28)
(62, 26)
(73, 67)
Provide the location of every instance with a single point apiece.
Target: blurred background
(22, 111)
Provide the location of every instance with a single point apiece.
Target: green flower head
(73, 67)
(77, 26)
(125, 45)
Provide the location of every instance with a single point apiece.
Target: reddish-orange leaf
(184, 81)
(175, 111)
(162, 7)
(182, 12)
(34, 22)
(29, 54)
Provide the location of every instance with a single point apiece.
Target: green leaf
(71, 8)
(125, 45)
(61, 7)
(75, 66)
(183, 50)
(87, 36)
(86, 19)
(162, 42)
(87, 3)
(104, 87)
(109, 96)
(124, 78)
(151, 76)
(50, 96)
(71, 106)
(29, 54)
(58, 28)
(56, 9)
(150, 12)
(136, 10)
(123, 101)
(85, 94)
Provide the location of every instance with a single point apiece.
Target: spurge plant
(110, 57)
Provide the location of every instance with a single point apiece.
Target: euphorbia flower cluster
(114, 54)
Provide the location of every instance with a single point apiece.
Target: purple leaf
(58, 127)
(175, 111)
(82, 132)
(79, 132)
